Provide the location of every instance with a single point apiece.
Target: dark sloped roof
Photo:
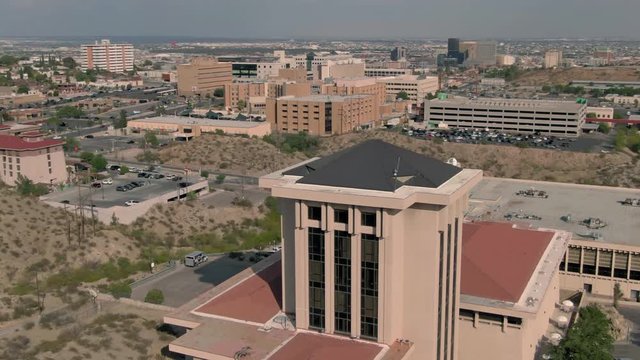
(375, 165)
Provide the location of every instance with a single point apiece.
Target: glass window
(342, 282)
(341, 216)
(369, 287)
(315, 213)
(369, 219)
(316, 279)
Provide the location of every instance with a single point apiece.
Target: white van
(195, 258)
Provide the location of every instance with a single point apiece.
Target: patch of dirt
(231, 154)
(564, 76)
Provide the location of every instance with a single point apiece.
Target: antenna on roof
(395, 174)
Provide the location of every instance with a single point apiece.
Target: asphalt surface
(631, 349)
(185, 283)
(107, 143)
(107, 196)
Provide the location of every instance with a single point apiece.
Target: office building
(416, 87)
(386, 72)
(323, 66)
(559, 118)
(478, 53)
(454, 54)
(202, 76)
(104, 55)
(553, 59)
(358, 86)
(505, 60)
(255, 94)
(183, 127)
(377, 263)
(322, 115)
(605, 54)
(29, 155)
(399, 54)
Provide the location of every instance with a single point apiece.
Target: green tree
(98, 163)
(26, 187)
(151, 139)
(8, 60)
(604, 128)
(71, 144)
(124, 169)
(241, 105)
(204, 174)
(67, 112)
(220, 178)
(402, 95)
(154, 296)
(23, 89)
(69, 63)
(590, 338)
(121, 121)
(219, 92)
(617, 294)
(4, 116)
(87, 156)
(147, 63)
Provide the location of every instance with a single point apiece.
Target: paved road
(185, 283)
(630, 350)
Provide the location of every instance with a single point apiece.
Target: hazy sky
(323, 18)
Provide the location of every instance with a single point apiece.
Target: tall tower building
(372, 251)
(553, 59)
(104, 55)
(399, 54)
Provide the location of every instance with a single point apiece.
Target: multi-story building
(479, 53)
(202, 76)
(182, 127)
(386, 72)
(605, 54)
(378, 263)
(416, 87)
(599, 112)
(104, 55)
(320, 67)
(399, 54)
(505, 60)
(256, 70)
(29, 155)
(322, 115)
(360, 86)
(560, 118)
(255, 94)
(624, 100)
(553, 59)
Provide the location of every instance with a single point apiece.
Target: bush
(204, 174)
(124, 169)
(220, 179)
(154, 296)
(290, 143)
(120, 289)
(26, 187)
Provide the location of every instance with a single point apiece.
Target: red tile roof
(498, 260)
(257, 299)
(8, 142)
(306, 346)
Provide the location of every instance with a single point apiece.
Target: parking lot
(107, 196)
(596, 142)
(105, 143)
(185, 283)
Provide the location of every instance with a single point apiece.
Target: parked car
(184, 184)
(130, 186)
(122, 188)
(131, 202)
(131, 142)
(177, 178)
(158, 176)
(107, 181)
(89, 136)
(142, 174)
(96, 185)
(170, 177)
(114, 167)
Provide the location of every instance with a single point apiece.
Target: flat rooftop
(510, 103)
(325, 98)
(184, 120)
(257, 299)
(566, 206)
(314, 346)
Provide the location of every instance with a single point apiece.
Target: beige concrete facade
(294, 74)
(358, 86)
(189, 127)
(322, 115)
(416, 87)
(559, 118)
(104, 55)
(600, 112)
(417, 233)
(39, 161)
(552, 59)
(202, 76)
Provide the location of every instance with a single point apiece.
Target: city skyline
(357, 19)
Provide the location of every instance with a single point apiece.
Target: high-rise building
(505, 60)
(399, 54)
(202, 76)
(104, 55)
(605, 54)
(453, 47)
(479, 53)
(553, 59)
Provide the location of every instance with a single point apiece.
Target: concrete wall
(34, 164)
(128, 214)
